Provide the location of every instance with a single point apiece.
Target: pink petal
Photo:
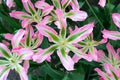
(5, 48)
(47, 10)
(102, 74)
(78, 15)
(23, 74)
(110, 50)
(67, 61)
(61, 18)
(18, 15)
(39, 57)
(17, 38)
(116, 19)
(5, 75)
(65, 2)
(10, 3)
(27, 53)
(102, 3)
(87, 28)
(114, 35)
(26, 3)
(43, 28)
(101, 56)
(26, 65)
(75, 5)
(8, 36)
(26, 22)
(76, 58)
(41, 4)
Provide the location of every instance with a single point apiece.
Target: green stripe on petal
(54, 37)
(4, 62)
(4, 70)
(56, 4)
(75, 36)
(51, 49)
(63, 32)
(31, 10)
(5, 53)
(74, 49)
(28, 42)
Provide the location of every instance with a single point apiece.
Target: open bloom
(25, 39)
(62, 44)
(102, 3)
(110, 73)
(113, 56)
(88, 46)
(59, 14)
(13, 61)
(32, 15)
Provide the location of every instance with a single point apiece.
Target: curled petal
(116, 19)
(66, 61)
(102, 3)
(114, 35)
(19, 15)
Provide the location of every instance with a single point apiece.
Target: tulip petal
(17, 38)
(80, 33)
(65, 60)
(77, 15)
(114, 35)
(19, 15)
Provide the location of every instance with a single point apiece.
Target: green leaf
(5, 53)
(75, 36)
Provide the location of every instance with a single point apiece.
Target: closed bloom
(102, 3)
(10, 3)
(116, 19)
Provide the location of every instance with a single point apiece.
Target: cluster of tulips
(27, 40)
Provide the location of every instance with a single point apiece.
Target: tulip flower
(12, 61)
(31, 15)
(62, 44)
